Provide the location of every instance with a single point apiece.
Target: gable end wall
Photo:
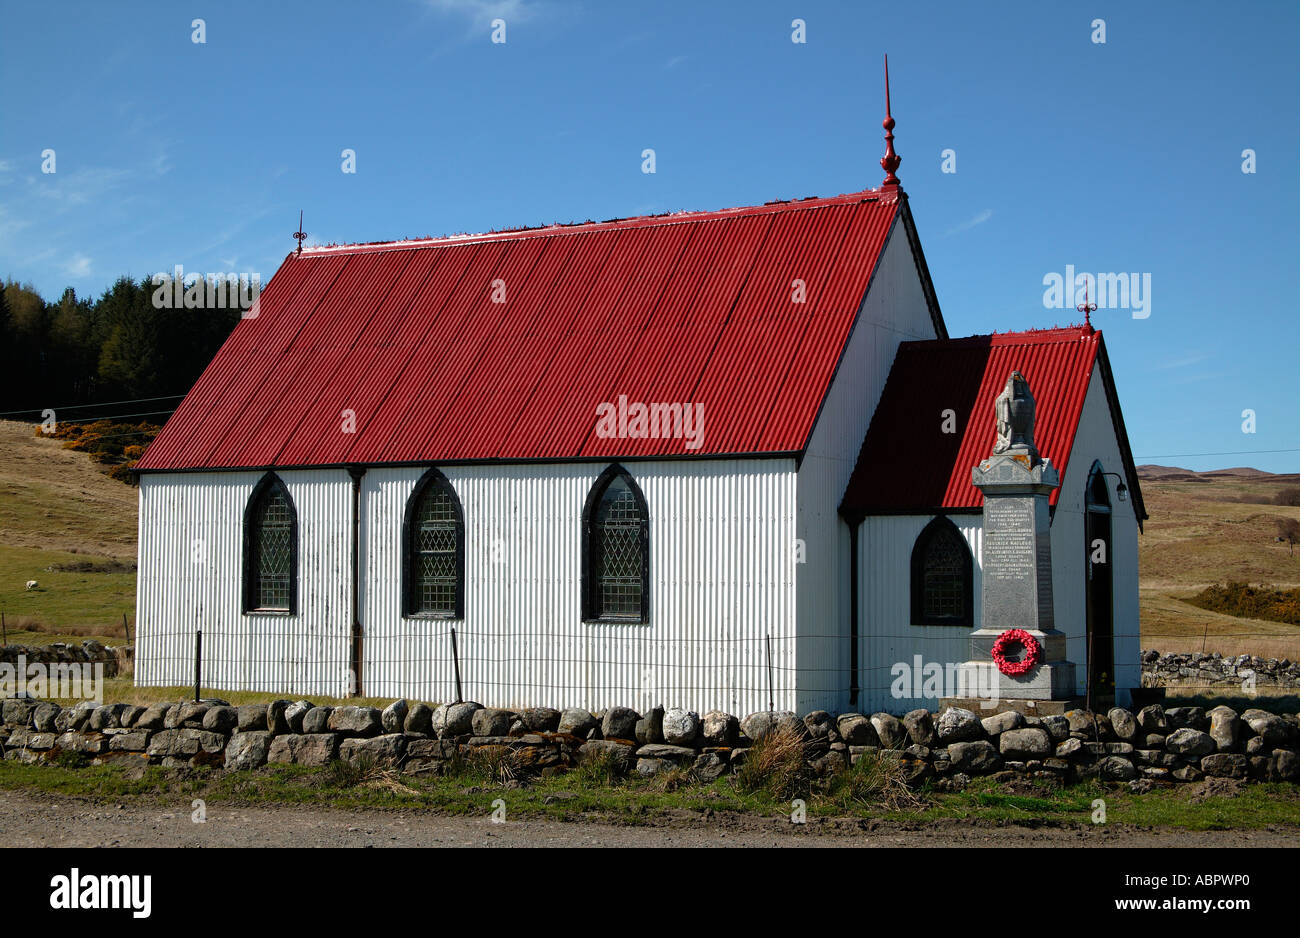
(895, 309)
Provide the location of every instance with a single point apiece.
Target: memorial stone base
(1017, 583)
(1047, 681)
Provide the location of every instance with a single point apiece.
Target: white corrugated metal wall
(721, 581)
(894, 310)
(1096, 440)
(888, 637)
(722, 534)
(191, 544)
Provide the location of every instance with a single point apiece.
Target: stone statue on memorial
(1018, 608)
(1014, 408)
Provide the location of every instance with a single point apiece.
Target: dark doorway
(1100, 589)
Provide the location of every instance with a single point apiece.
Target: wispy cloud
(80, 186)
(675, 61)
(161, 164)
(78, 266)
(1191, 358)
(1204, 376)
(482, 12)
(979, 219)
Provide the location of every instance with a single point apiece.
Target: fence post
(455, 658)
(126, 628)
(4, 630)
(198, 660)
(771, 701)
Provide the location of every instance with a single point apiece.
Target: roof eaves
(1121, 434)
(922, 268)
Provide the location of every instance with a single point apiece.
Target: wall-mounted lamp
(1121, 490)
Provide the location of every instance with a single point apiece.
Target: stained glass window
(616, 552)
(435, 554)
(942, 576)
(944, 588)
(271, 553)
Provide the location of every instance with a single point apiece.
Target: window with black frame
(942, 576)
(270, 549)
(616, 528)
(434, 535)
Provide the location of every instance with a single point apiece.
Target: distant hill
(1206, 528)
(1174, 474)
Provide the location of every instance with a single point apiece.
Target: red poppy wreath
(1011, 637)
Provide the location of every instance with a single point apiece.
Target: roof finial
(1086, 308)
(889, 162)
(300, 235)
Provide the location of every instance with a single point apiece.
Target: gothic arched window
(270, 549)
(433, 551)
(942, 578)
(616, 550)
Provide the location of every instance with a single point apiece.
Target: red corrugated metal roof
(908, 463)
(684, 308)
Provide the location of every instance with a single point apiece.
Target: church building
(714, 459)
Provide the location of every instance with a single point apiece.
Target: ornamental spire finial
(300, 235)
(1086, 307)
(890, 161)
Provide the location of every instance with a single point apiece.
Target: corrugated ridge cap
(613, 224)
(1045, 336)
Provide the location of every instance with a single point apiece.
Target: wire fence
(622, 665)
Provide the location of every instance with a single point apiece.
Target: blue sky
(1122, 156)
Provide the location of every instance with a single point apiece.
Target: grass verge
(598, 796)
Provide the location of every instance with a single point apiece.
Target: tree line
(77, 351)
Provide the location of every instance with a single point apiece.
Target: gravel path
(28, 819)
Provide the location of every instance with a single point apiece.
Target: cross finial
(300, 236)
(1086, 308)
(891, 160)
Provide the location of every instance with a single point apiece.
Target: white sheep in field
(31, 584)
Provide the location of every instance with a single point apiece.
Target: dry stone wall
(1152, 747)
(88, 652)
(1215, 670)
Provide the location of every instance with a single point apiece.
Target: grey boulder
(920, 727)
(419, 720)
(619, 723)
(1024, 744)
(719, 729)
(578, 722)
(856, 730)
(317, 720)
(957, 725)
(355, 721)
(248, 750)
(681, 727)
(1189, 742)
(890, 729)
(393, 717)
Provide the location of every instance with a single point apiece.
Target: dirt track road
(38, 820)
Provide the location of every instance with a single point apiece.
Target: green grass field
(59, 510)
(68, 605)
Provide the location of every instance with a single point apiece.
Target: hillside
(1209, 527)
(59, 509)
